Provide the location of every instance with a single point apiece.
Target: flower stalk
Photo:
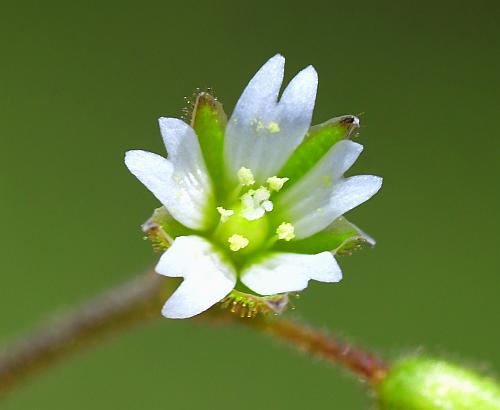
(138, 301)
(364, 364)
(417, 383)
(134, 302)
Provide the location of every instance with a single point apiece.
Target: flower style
(252, 207)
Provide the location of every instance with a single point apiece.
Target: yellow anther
(224, 213)
(237, 242)
(275, 183)
(273, 127)
(258, 124)
(245, 176)
(286, 231)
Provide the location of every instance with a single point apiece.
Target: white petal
(262, 133)
(288, 272)
(329, 169)
(153, 171)
(181, 183)
(208, 276)
(340, 158)
(322, 195)
(316, 186)
(320, 211)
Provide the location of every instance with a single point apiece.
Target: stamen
(286, 231)
(245, 176)
(224, 213)
(273, 127)
(275, 183)
(237, 242)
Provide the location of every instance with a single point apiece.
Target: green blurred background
(82, 82)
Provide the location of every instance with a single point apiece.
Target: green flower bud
(429, 384)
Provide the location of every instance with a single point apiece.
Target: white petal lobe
(262, 132)
(208, 276)
(288, 272)
(323, 195)
(321, 178)
(153, 171)
(344, 196)
(181, 183)
(194, 186)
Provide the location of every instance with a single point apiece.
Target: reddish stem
(362, 363)
(140, 300)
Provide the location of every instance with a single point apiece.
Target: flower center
(243, 227)
(256, 203)
(241, 235)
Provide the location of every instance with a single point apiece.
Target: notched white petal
(181, 183)
(208, 276)
(153, 171)
(288, 272)
(345, 195)
(323, 195)
(262, 132)
(185, 154)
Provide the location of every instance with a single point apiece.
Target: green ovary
(255, 231)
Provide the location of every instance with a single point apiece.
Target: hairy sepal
(209, 122)
(318, 141)
(161, 229)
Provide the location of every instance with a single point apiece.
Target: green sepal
(250, 305)
(161, 229)
(341, 238)
(429, 384)
(209, 122)
(316, 144)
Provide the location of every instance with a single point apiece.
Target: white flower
(262, 210)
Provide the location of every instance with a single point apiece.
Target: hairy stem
(140, 300)
(360, 362)
(133, 302)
